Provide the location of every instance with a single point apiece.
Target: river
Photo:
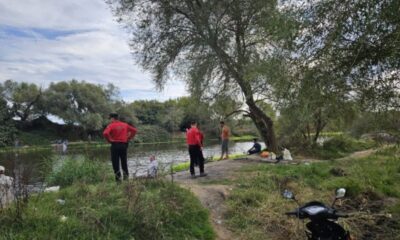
(33, 166)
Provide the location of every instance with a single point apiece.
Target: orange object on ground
(264, 154)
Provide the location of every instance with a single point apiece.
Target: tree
(7, 128)
(79, 103)
(148, 112)
(24, 99)
(357, 41)
(125, 111)
(173, 116)
(313, 99)
(211, 44)
(345, 52)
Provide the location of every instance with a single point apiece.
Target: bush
(79, 170)
(340, 146)
(7, 127)
(151, 134)
(346, 144)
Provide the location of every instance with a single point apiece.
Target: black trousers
(119, 153)
(253, 151)
(196, 157)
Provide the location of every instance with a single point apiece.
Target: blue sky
(43, 41)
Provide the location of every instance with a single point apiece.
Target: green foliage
(37, 137)
(370, 122)
(152, 209)
(340, 146)
(213, 45)
(79, 103)
(149, 112)
(25, 99)
(7, 128)
(85, 108)
(79, 170)
(360, 50)
(151, 134)
(256, 207)
(336, 146)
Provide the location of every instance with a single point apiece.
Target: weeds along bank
(256, 207)
(90, 205)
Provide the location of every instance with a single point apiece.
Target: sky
(43, 41)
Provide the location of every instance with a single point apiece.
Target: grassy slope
(96, 208)
(373, 183)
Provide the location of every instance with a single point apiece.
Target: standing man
(193, 139)
(225, 134)
(118, 134)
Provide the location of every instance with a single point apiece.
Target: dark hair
(113, 115)
(255, 139)
(222, 122)
(193, 122)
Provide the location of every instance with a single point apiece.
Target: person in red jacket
(119, 134)
(194, 142)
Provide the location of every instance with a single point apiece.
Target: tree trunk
(264, 125)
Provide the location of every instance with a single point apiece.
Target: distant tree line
(85, 107)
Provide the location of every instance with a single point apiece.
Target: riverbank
(244, 196)
(90, 205)
(104, 144)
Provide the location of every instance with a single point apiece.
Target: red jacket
(118, 131)
(193, 136)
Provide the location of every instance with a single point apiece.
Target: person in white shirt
(152, 168)
(286, 155)
(6, 188)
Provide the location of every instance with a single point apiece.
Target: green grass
(79, 170)
(100, 209)
(338, 146)
(255, 206)
(181, 167)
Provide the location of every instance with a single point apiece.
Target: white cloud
(56, 14)
(90, 46)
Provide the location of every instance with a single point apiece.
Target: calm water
(34, 165)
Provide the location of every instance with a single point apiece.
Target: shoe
(193, 176)
(203, 174)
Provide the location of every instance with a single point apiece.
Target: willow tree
(24, 98)
(357, 42)
(212, 44)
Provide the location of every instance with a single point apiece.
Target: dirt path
(212, 190)
(211, 193)
(361, 154)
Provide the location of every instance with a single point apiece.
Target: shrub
(79, 170)
(340, 146)
(151, 134)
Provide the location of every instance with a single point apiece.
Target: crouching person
(256, 147)
(152, 168)
(6, 188)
